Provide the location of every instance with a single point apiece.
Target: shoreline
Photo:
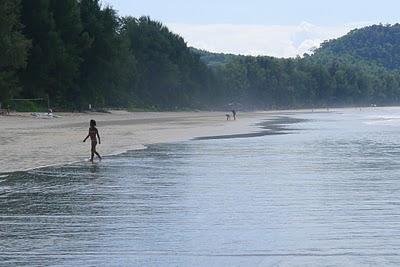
(274, 126)
(32, 143)
(5, 174)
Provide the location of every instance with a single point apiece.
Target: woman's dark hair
(92, 123)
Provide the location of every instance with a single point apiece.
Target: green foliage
(377, 43)
(82, 53)
(28, 106)
(265, 82)
(108, 68)
(13, 48)
(54, 60)
(215, 59)
(169, 75)
(337, 74)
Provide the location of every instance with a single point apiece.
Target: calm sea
(327, 193)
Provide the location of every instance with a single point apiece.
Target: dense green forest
(77, 53)
(80, 52)
(377, 43)
(358, 69)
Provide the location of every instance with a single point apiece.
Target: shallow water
(327, 194)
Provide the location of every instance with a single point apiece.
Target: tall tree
(53, 65)
(108, 68)
(13, 48)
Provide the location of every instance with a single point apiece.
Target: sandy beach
(27, 142)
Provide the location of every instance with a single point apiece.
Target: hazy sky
(280, 28)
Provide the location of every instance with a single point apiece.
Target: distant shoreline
(273, 126)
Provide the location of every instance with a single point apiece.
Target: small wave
(123, 151)
(383, 120)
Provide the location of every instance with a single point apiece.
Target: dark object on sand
(234, 114)
(5, 111)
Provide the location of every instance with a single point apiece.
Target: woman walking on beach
(93, 134)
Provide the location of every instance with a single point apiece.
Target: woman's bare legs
(94, 152)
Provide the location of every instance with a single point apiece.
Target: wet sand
(27, 142)
(276, 125)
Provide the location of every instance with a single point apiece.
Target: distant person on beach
(93, 134)
(234, 114)
(228, 117)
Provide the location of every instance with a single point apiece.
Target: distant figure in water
(234, 114)
(93, 134)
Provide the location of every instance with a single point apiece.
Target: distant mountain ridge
(360, 68)
(379, 44)
(376, 44)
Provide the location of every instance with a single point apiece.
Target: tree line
(78, 53)
(358, 69)
(310, 81)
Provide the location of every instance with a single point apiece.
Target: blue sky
(280, 28)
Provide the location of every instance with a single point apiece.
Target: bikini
(92, 134)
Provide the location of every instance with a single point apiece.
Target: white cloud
(271, 40)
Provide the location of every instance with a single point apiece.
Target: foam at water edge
(141, 147)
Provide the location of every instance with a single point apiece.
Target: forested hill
(79, 52)
(327, 78)
(215, 59)
(377, 43)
